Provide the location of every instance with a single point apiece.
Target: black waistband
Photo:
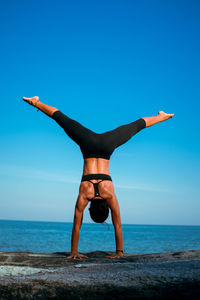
(96, 177)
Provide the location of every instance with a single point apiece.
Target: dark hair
(99, 210)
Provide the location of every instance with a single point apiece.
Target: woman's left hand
(76, 256)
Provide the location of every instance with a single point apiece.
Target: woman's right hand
(76, 256)
(117, 255)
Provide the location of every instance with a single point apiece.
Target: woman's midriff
(96, 166)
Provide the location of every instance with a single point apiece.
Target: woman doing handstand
(96, 185)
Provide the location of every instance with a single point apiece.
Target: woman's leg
(122, 134)
(34, 101)
(78, 133)
(162, 116)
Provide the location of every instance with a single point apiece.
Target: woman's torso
(96, 166)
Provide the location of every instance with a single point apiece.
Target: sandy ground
(172, 275)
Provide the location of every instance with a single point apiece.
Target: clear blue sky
(103, 63)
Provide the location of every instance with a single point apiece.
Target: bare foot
(33, 101)
(165, 116)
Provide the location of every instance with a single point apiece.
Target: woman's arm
(78, 217)
(116, 220)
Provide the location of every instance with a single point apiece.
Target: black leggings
(97, 145)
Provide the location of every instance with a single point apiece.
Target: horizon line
(40, 221)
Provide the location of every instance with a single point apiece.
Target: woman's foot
(165, 116)
(33, 101)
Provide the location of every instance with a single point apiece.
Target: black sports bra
(90, 177)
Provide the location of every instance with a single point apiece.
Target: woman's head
(99, 210)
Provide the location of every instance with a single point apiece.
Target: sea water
(56, 237)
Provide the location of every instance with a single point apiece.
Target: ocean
(49, 237)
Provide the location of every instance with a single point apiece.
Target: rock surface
(171, 275)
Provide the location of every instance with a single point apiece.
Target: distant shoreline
(89, 223)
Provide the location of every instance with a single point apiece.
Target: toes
(29, 99)
(36, 97)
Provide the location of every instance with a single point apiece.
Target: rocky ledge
(171, 275)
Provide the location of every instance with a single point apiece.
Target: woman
(96, 185)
